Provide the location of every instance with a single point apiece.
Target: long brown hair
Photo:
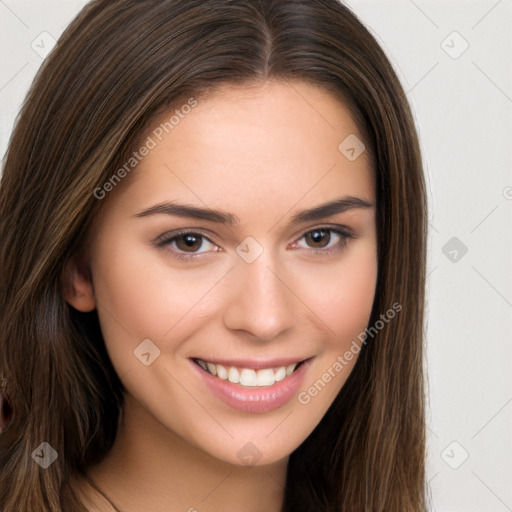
(118, 65)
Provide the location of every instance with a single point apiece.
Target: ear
(76, 284)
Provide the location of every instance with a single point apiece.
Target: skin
(262, 153)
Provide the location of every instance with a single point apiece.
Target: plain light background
(454, 60)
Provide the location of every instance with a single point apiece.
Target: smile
(250, 385)
(248, 377)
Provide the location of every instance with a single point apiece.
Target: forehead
(278, 141)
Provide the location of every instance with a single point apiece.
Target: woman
(212, 218)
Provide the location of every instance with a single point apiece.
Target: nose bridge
(260, 302)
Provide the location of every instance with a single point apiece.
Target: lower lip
(255, 399)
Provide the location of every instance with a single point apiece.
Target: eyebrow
(340, 205)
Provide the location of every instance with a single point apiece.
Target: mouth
(246, 376)
(253, 386)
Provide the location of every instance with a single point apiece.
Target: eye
(324, 239)
(188, 243)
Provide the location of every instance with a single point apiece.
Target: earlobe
(76, 286)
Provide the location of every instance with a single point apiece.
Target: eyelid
(165, 239)
(169, 235)
(343, 231)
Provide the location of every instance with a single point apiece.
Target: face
(241, 247)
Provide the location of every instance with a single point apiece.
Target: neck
(151, 468)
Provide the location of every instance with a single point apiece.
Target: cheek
(140, 296)
(344, 307)
(342, 297)
(356, 299)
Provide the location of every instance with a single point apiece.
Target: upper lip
(257, 364)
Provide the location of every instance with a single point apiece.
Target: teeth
(266, 377)
(212, 368)
(221, 372)
(280, 374)
(234, 375)
(247, 376)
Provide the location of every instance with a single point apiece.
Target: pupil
(189, 242)
(319, 238)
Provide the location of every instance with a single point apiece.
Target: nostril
(6, 412)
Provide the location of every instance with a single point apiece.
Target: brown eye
(189, 242)
(318, 239)
(324, 240)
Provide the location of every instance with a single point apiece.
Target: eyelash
(168, 238)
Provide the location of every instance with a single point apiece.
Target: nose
(260, 302)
